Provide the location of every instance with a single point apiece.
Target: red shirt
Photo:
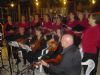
(90, 40)
(84, 23)
(72, 24)
(8, 28)
(35, 23)
(55, 27)
(25, 25)
(99, 38)
(46, 26)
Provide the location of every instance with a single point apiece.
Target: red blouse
(25, 25)
(8, 27)
(46, 26)
(55, 27)
(72, 24)
(90, 39)
(84, 23)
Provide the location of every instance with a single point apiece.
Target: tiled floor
(26, 71)
(20, 70)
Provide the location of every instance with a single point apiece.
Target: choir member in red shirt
(72, 20)
(82, 20)
(34, 23)
(90, 39)
(10, 29)
(36, 20)
(24, 25)
(23, 22)
(58, 24)
(23, 33)
(46, 24)
(71, 28)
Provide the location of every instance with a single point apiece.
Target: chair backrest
(44, 51)
(91, 65)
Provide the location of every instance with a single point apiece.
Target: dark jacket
(70, 63)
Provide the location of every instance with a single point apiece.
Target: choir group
(46, 32)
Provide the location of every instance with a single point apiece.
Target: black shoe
(18, 61)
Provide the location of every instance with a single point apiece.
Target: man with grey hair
(70, 63)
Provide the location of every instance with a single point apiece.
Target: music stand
(26, 48)
(14, 44)
(11, 61)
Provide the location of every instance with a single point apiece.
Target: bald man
(71, 59)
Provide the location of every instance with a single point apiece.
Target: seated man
(70, 63)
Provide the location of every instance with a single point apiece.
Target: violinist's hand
(32, 45)
(36, 64)
(44, 63)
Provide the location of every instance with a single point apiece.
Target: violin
(35, 46)
(21, 40)
(55, 60)
(52, 49)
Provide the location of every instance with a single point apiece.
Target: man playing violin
(70, 63)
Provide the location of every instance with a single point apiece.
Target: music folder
(78, 28)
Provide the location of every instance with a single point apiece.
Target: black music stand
(11, 63)
(22, 71)
(18, 71)
(10, 59)
(27, 68)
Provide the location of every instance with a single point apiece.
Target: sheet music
(26, 47)
(13, 43)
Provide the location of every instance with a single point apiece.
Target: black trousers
(77, 40)
(95, 58)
